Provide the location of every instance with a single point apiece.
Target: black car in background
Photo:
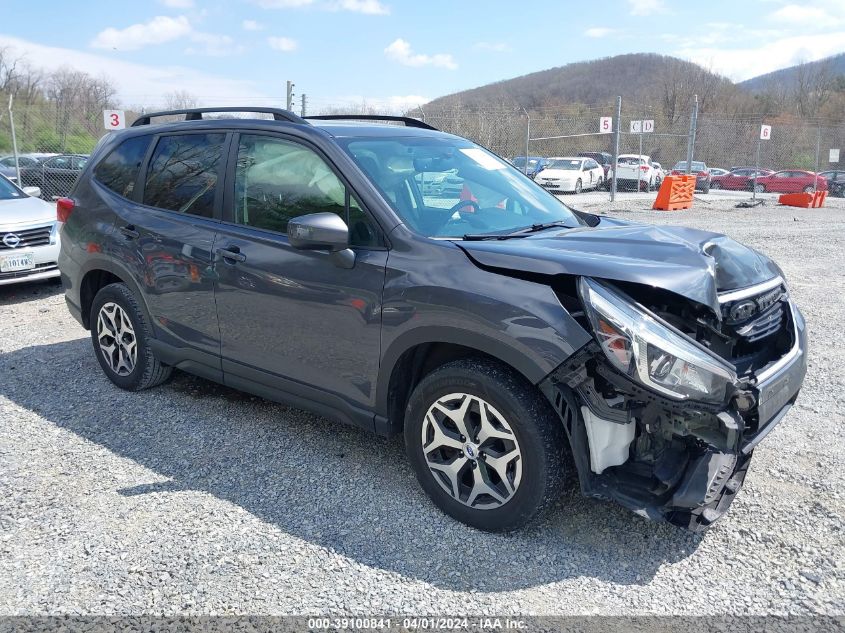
(835, 182)
(497, 329)
(55, 175)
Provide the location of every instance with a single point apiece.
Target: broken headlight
(650, 351)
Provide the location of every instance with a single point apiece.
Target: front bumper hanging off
(689, 487)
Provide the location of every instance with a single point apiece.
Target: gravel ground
(196, 498)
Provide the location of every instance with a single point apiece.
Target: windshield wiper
(523, 232)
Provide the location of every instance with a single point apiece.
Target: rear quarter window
(119, 170)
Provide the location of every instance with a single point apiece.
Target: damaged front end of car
(665, 407)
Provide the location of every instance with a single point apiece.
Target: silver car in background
(29, 235)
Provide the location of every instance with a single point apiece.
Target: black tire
(536, 428)
(146, 371)
(705, 188)
(716, 186)
(808, 189)
(578, 186)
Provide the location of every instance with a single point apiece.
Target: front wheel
(808, 189)
(121, 338)
(716, 186)
(484, 444)
(599, 183)
(578, 186)
(760, 188)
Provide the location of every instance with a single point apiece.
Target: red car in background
(739, 179)
(791, 181)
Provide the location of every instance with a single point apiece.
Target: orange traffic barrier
(675, 193)
(804, 200)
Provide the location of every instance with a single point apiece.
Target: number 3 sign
(114, 119)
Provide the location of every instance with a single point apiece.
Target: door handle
(129, 232)
(231, 254)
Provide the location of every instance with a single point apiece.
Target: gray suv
(509, 337)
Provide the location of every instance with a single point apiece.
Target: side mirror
(318, 232)
(33, 192)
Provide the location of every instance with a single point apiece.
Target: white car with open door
(571, 174)
(29, 235)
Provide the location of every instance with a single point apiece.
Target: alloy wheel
(471, 451)
(116, 338)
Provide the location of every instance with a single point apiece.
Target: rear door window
(183, 173)
(119, 170)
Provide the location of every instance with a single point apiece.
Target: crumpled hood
(692, 263)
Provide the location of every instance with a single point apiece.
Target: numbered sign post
(605, 125)
(834, 156)
(636, 127)
(648, 126)
(114, 119)
(765, 135)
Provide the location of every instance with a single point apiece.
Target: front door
(296, 321)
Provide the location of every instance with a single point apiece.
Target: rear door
(166, 233)
(300, 322)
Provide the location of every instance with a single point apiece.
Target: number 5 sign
(605, 125)
(114, 119)
(765, 132)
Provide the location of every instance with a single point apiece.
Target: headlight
(641, 346)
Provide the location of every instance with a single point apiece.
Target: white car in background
(635, 171)
(29, 235)
(659, 173)
(571, 174)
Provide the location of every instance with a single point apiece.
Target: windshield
(8, 191)
(449, 187)
(630, 160)
(564, 164)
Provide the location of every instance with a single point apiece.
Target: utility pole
(616, 147)
(693, 124)
(302, 108)
(290, 96)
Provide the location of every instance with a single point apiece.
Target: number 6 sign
(605, 125)
(765, 132)
(114, 119)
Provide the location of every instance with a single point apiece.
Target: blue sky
(393, 53)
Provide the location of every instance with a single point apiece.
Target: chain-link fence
(54, 138)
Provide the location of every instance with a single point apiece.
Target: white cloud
(493, 47)
(178, 4)
(400, 51)
(599, 31)
(139, 84)
(283, 4)
(284, 44)
(646, 7)
(804, 15)
(252, 25)
(163, 29)
(159, 30)
(212, 45)
(370, 7)
(744, 63)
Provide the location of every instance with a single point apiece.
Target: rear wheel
(760, 188)
(121, 339)
(484, 444)
(808, 189)
(599, 183)
(716, 185)
(705, 188)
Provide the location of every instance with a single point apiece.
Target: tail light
(703, 174)
(64, 206)
(644, 167)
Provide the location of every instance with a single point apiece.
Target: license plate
(17, 261)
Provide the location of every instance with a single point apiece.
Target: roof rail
(195, 114)
(408, 121)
